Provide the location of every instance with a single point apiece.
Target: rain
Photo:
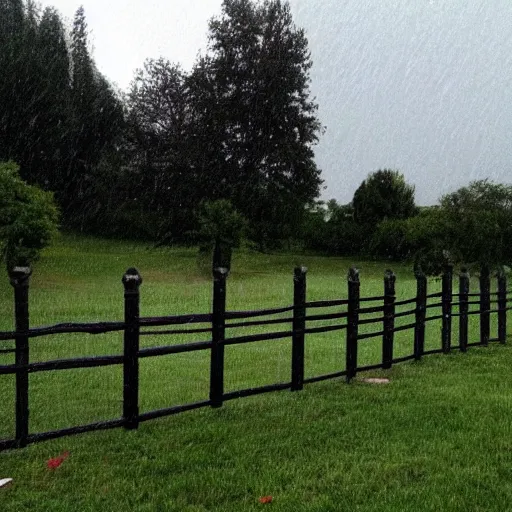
(424, 87)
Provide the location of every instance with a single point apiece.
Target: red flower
(265, 499)
(55, 462)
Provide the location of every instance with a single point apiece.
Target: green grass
(438, 437)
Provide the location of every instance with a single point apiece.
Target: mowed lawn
(437, 437)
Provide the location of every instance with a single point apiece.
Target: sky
(422, 86)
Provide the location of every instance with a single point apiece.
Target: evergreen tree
(52, 123)
(25, 93)
(81, 132)
(14, 97)
(96, 119)
(59, 118)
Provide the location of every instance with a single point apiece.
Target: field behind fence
(433, 321)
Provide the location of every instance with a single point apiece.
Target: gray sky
(423, 86)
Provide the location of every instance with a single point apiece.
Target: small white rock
(375, 380)
(5, 482)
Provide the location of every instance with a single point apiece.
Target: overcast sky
(423, 86)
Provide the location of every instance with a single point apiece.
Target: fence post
(485, 305)
(463, 309)
(421, 304)
(446, 300)
(502, 306)
(389, 319)
(299, 324)
(19, 278)
(218, 330)
(352, 322)
(131, 282)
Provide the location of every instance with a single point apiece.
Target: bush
(383, 195)
(221, 229)
(332, 230)
(390, 240)
(347, 238)
(472, 226)
(425, 239)
(28, 218)
(479, 220)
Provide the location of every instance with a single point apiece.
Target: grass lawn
(438, 437)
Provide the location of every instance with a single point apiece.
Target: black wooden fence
(221, 320)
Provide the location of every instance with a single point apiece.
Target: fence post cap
(19, 275)
(389, 274)
(448, 267)
(389, 283)
(131, 279)
(299, 271)
(418, 271)
(353, 275)
(464, 272)
(220, 272)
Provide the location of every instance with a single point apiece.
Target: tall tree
(16, 94)
(52, 120)
(81, 134)
(252, 91)
(28, 58)
(96, 118)
(159, 161)
(59, 117)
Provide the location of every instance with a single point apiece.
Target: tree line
(240, 126)
(471, 226)
(218, 154)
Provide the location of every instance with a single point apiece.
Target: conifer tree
(53, 109)
(12, 25)
(96, 117)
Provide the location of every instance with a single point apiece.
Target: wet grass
(436, 437)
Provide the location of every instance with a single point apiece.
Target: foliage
(383, 195)
(479, 223)
(95, 122)
(240, 126)
(423, 239)
(471, 226)
(390, 240)
(221, 228)
(331, 229)
(219, 221)
(159, 163)
(250, 94)
(28, 218)
(314, 227)
(53, 116)
(59, 116)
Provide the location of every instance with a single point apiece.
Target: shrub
(221, 229)
(28, 218)
(390, 240)
(479, 220)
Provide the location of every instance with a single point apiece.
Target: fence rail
(220, 320)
